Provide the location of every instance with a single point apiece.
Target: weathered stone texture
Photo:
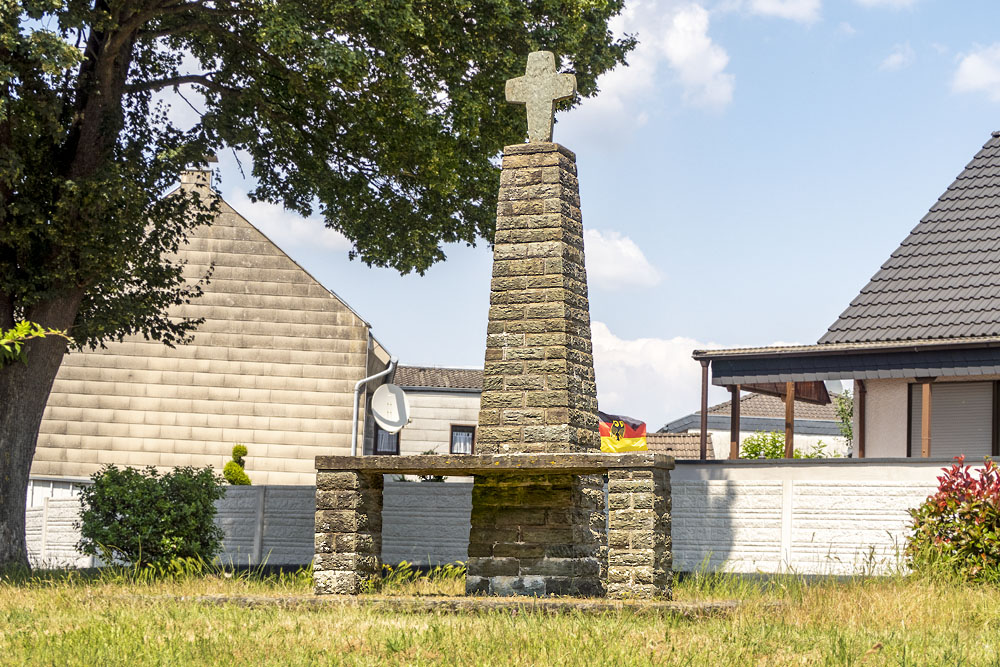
(539, 393)
(639, 549)
(536, 535)
(348, 530)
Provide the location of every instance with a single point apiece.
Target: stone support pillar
(348, 530)
(639, 547)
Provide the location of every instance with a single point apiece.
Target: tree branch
(173, 81)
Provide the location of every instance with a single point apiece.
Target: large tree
(387, 114)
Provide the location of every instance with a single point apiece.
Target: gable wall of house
(434, 412)
(273, 367)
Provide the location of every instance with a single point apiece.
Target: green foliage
(844, 405)
(239, 451)
(957, 529)
(771, 445)
(143, 518)
(234, 474)
(12, 341)
(233, 470)
(763, 445)
(384, 117)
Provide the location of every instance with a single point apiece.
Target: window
(462, 438)
(385, 442)
(962, 419)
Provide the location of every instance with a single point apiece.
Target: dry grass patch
(899, 621)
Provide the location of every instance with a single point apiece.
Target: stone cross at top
(539, 89)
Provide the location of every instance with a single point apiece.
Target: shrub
(233, 470)
(771, 445)
(957, 529)
(142, 518)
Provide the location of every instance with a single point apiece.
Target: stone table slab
(523, 464)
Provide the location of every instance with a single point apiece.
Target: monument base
(537, 535)
(539, 524)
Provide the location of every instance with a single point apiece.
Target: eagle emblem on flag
(621, 434)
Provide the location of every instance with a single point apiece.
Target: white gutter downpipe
(357, 400)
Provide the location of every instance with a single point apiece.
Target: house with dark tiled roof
(921, 342)
(444, 411)
(814, 424)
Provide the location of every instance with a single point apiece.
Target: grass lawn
(117, 620)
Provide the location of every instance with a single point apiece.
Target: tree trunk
(24, 391)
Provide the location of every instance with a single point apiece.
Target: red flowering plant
(957, 529)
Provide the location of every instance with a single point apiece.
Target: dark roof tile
(678, 445)
(762, 405)
(439, 378)
(943, 281)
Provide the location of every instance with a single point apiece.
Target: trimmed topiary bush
(233, 470)
(957, 529)
(142, 518)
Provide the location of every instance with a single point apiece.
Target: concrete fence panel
(822, 516)
(426, 522)
(836, 516)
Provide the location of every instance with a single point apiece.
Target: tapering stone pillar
(539, 393)
(538, 535)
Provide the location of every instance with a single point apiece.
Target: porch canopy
(798, 373)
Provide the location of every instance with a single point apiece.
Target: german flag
(621, 434)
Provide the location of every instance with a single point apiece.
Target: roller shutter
(961, 420)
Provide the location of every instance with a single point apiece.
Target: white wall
(844, 516)
(833, 516)
(885, 418)
(422, 522)
(433, 414)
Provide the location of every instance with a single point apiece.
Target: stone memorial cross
(539, 89)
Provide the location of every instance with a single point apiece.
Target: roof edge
(847, 348)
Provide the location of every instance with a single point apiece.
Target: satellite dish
(390, 408)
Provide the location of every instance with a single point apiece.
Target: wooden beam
(734, 422)
(925, 420)
(703, 445)
(860, 405)
(996, 421)
(789, 420)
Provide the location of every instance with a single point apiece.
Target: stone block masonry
(639, 548)
(539, 393)
(539, 524)
(537, 535)
(348, 530)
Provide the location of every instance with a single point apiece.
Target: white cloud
(846, 28)
(615, 261)
(652, 379)
(286, 228)
(674, 40)
(804, 11)
(979, 72)
(699, 63)
(895, 4)
(902, 56)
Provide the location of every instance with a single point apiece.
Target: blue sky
(740, 181)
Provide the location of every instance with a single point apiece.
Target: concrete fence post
(258, 537)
